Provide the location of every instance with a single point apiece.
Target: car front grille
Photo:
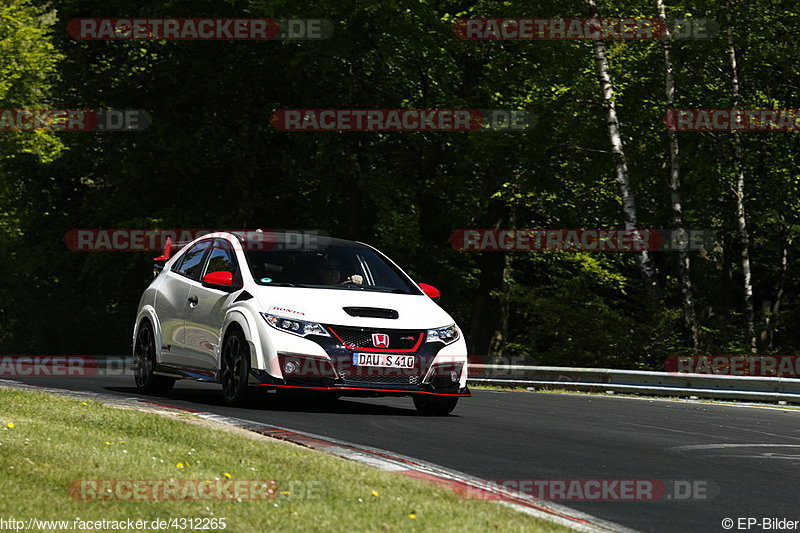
(362, 338)
(386, 380)
(378, 374)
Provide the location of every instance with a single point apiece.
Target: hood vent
(371, 312)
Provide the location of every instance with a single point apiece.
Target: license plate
(384, 360)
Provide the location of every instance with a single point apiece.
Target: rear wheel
(144, 352)
(434, 405)
(235, 368)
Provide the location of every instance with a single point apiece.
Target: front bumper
(325, 363)
(347, 388)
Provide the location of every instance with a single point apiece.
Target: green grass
(55, 441)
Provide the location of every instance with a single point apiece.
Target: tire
(435, 405)
(144, 352)
(235, 368)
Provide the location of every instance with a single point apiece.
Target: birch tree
(741, 214)
(618, 153)
(675, 185)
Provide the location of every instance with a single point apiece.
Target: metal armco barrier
(723, 387)
(719, 387)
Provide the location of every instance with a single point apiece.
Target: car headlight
(300, 328)
(447, 335)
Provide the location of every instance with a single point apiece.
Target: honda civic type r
(327, 315)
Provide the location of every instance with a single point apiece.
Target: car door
(172, 302)
(208, 306)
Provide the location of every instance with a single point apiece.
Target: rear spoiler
(166, 255)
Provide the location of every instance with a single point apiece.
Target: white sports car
(328, 315)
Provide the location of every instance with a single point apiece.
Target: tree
(675, 185)
(28, 63)
(618, 153)
(739, 191)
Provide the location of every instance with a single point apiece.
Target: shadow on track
(263, 401)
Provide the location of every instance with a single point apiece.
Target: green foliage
(211, 159)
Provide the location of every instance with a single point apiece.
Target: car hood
(326, 306)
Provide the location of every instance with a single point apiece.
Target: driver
(331, 274)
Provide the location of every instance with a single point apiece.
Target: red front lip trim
(364, 388)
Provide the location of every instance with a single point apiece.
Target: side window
(191, 264)
(223, 258)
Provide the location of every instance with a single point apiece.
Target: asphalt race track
(750, 456)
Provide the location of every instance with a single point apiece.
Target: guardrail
(764, 389)
(676, 384)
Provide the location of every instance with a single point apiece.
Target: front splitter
(388, 392)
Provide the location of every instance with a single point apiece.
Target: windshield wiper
(301, 285)
(374, 288)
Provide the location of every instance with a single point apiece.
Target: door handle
(193, 300)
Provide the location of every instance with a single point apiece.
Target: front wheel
(435, 405)
(235, 369)
(144, 353)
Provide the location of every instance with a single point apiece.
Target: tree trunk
(355, 200)
(776, 306)
(488, 330)
(741, 214)
(689, 317)
(618, 155)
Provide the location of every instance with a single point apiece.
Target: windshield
(333, 267)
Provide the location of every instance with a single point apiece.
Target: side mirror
(430, 291)
(221, 280)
